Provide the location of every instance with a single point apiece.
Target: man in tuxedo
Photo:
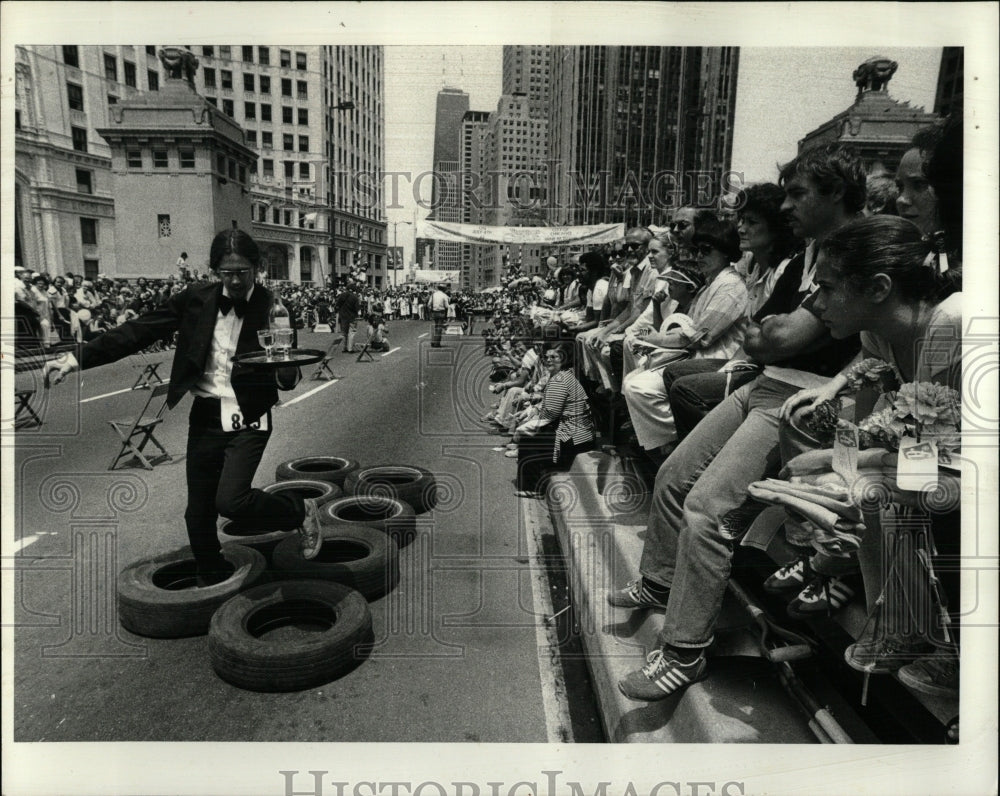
(230, 421)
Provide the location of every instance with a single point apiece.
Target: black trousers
(534, 459)
(439, 317)
(695, 387)
(220, 469)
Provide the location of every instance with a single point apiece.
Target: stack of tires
(280, 622)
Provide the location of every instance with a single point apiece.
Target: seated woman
(378, 333)
(568, 428)
(716, 313)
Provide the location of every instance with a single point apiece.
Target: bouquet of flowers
(920, 410)
(872, 372)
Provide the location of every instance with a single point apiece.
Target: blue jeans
(701, 508)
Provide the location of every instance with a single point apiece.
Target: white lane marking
(109, 394)
(558, 726)
(307, 394)
(391, 351)
(425, 334)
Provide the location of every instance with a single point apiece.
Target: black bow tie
(238, 305)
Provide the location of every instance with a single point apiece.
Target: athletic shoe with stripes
(661, 677)
(792, 576)
(637, 594)
(823, 595)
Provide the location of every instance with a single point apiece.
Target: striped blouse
(566, 402)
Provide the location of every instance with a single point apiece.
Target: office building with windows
(314, 115)
(452, 104)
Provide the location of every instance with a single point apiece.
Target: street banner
(478, 233)
(429, 275)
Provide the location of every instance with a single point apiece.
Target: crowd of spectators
(726, 348)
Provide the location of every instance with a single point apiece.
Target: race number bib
(232, 418)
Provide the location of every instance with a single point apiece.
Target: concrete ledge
(599, 511)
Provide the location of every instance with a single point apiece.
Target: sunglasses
(705, 249)
(633, 247)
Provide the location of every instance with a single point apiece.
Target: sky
(782, 94)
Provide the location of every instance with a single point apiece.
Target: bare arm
(781, 336)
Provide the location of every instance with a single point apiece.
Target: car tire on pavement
(244, 533)
(319, 490)
(290, 636)
(359, 556)
(411, 484)
(158, 598)
(321, 468)
(390, 515)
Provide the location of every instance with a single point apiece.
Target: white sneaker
(311, 532)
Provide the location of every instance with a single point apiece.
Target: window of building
(264, 55)
(275, 215)
(252, 137)
(286, 115)
(160, 160)
(74, 96)
(287, 218)
(150, 49)
(286, 87)
(248, 82)
(209, 77)
(267, 139)
(88, 231)
(227, 107)
(300, 61)
(232, 169)
(304, 171)
(213, 102)
(289, 169)
(110, 67)
(71, 55)
(225, 51)
(133, 158)
(186, 158)
(286, 58)
(220, 164)
(226, 79)
(268, 168)
(112, 99)
(129, 73)
(91, 268)
(302, 88)
(288, 142)
(79, 135)
(84, 181)
(243, 174)
(154, 80)
(162, 225)
(265, 112)
(303, 116)
(208, 51)
(303, 143)
(249, 110)
(265, 84)
(247, 54)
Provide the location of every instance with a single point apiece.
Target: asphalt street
(461, 651)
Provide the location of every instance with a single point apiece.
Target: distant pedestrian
(348, 306)
(438, 305)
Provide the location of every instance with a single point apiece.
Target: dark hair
(595, 260)
(765, 200)
(830, 165)
(720, 234)
(882, 195)
(895, 247)
(943, 167)
(233, 241)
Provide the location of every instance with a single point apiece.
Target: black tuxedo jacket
(192, 313)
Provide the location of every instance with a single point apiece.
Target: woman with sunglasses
(569, 429)
(716, 331)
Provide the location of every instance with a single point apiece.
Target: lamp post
(394, 249)
(340, 106)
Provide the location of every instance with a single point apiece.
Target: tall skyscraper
(951, 82)
(309, 212)
(452, 104)
(632, 128)
(472, 193)
(526, 71)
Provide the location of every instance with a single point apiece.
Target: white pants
(649, 407)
